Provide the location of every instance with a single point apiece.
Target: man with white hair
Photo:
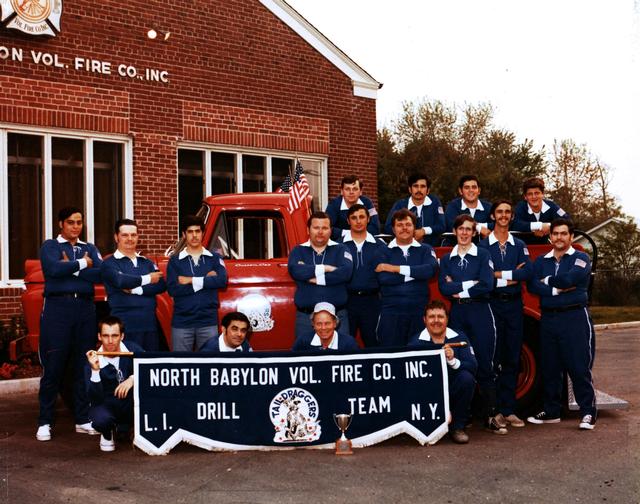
(324, 335)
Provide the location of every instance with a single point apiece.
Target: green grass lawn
(611, 314)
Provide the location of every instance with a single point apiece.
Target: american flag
(298, 189)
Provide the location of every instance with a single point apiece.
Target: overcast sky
(552, 69)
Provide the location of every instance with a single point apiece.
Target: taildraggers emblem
(294, 414)
(35, 17)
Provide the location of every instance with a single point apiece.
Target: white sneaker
(107, 445)
(86, 428)
(44, 433)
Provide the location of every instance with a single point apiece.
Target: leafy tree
(446, 142)
(579, 184)
(620, 248)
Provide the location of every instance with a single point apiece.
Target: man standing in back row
(132, 283)
(363, 304)
(321, 269)
(193, 279)
(567, 340)
(404, 272)
(68, 324)
(350, 194)
(425, 206)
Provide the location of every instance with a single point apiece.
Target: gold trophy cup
(343, 445)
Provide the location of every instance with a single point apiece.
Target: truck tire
(529, 386)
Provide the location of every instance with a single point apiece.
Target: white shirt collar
(394, 244)
(184, 253)
(569, 252)
(472, 251)
(119, 255)
(222, 345)
(463, 205)
(330, 243)
(493, 239)
(105, 361)
(427, 201)
(347, 237)
(343, 205)
(60, 239)
(334, 341)
(543, 209)
(425, 336)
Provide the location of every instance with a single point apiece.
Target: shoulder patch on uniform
(300, 262)
(491, 263)
(526, 251)
(99, 255)
(561, 212)
(347, 255)
(471, 350)
(373, 211)
(433, 253)
(581, 263)
(441, 210)
(221, 262)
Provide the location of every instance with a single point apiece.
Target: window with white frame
(43, 171)
(203, 171)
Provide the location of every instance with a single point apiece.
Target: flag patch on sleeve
(373, 211)
(440, 210)
(581, 263)
(347, 255)
(561, 212)
(526, 251)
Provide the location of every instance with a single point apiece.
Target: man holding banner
(461, 364)
(109, 380)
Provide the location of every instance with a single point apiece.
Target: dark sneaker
(459, 436)
(542, 418)
(491, 425)
(588, 422)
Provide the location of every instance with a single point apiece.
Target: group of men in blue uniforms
(347, 279)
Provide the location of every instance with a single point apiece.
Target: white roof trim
(363, 84)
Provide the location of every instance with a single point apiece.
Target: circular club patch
(294, 414)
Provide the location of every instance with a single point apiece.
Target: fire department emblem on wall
(35, 17)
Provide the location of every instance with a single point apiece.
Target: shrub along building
(140, 109)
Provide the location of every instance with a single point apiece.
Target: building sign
(35, 17)
(243, 401)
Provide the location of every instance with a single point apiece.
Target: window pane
(223, 173)
(25, 200)
(263, 232)
(190, 181)
(280, 168)
(253, 173)
(313, 172)
(107, 192)
(67, 173)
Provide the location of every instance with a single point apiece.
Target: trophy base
(343, 447)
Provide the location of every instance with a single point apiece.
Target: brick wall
(237, 76)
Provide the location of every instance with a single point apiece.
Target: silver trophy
(343, 444)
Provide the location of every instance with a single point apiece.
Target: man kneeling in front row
(461, 364)
(110, 382)
(323, 334)
(236, 331)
